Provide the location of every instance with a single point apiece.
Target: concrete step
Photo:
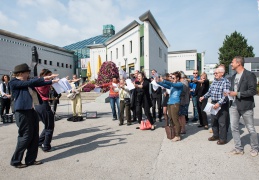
(89, 96)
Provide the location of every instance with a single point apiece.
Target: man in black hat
(26, 117)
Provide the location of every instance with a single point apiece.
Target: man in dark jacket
(243, 89)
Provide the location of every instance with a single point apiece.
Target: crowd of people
(165, 95)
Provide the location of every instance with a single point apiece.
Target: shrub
(89, 87)
(107, 71)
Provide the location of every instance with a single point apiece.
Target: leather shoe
(212, 138)
(21, 165)
(35, 163)
(220, 142)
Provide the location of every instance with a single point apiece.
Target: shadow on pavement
(86, 144)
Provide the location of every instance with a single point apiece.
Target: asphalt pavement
(98, 148)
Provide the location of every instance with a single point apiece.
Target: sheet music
(62, 86)
(130, 85)
(98, 90)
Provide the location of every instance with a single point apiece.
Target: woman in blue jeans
(113, 95)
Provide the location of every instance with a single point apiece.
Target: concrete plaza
(100, 149)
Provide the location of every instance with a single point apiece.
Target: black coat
(143, 96)
(247, 89)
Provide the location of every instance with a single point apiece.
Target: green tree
(234, 45)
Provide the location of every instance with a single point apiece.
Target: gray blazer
(246, 90)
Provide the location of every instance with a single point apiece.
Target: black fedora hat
(21, 68)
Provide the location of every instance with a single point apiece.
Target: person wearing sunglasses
(192, 85)
(176, 88)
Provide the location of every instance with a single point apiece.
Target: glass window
(123, 52)
(58, 64)
(50, 63)
(39, 61)
(142, 46)
(255, 67)
(62, 64)
(116, 53)
(130, 47)
(66, 65)
(45, 61)
(111, 56)
(189, 64)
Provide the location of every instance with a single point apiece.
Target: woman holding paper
(143, 99)
(45, 113)
(176, 89)
(113, 95)
(201, 89)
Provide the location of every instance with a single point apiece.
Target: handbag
(145, 125)
(169, 132)
(127, 101)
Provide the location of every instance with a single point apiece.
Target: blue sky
(187, 24)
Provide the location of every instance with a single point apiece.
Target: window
(39, 61)
(50, 63)
(130, 47)
(165, 57)
(160, 52)
(58, 64)
(116, 53)
(70, 66)
(123, 52)
(189, 64)
(142, 46)
(66, 65)
(62, 64)
(45, 61)
(111, 55)
(255, 67)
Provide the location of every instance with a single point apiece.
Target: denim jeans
(248, 117)
(195, 110)
(114, 100)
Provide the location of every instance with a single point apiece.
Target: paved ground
(100, 149)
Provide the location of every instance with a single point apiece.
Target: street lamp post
(125, 59)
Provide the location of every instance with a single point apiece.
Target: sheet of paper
(130, 85)
(168, 91)
(115, 85)
(98, 90)
(62, 86)
(154, 85)
(209, 109)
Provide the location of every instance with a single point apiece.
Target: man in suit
(156, 96)
(243, 89)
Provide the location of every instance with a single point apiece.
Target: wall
(14, 52)
(132, 58)
(152, 44)
(94, 53)
(177, 62)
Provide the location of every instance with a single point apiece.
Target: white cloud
(56, 32)
(7, 22)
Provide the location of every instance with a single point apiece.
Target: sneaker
(236, 152)
(254, 152)
(176, 138)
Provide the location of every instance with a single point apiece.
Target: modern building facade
(16, 49)
(186, 61)
(209, 70)
(135, 47)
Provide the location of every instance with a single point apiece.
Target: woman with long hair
(45, 113)
(201, 89)
(143, 99)
(176, 88)
(5, 92)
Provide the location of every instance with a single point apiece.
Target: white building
(16, 49)
(186, 61)
(136, 46)
(209, 70)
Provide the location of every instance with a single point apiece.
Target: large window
(123, 52)
(189, 65)
(116, 53)
(255, 67)
(142, 46)
(111, 56)
(130, 47)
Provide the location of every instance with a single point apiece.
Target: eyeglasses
(195, 73)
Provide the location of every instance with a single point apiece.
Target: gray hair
(221, 69)
(240, 60)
